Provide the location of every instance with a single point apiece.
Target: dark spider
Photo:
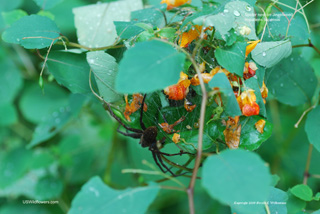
(148, 138)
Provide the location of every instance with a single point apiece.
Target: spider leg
(141, 113)
(163, 164)
(120, 122)
(167, 154)
(156, 161)
(133, 135)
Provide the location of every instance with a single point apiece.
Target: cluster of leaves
(126, 49)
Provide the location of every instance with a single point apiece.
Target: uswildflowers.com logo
(39, 202)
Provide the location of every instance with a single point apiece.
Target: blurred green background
(88, 145)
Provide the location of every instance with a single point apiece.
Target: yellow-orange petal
(260, 125)
(251, 46)
(176, 138)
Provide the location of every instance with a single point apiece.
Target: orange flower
(134, 106)
(188, 37)
(232, 132)
(247, 103)
(174, 3)
(264, 92)
(169, 128)
(260, 125)
(249, 70)
(176, 138)
(188, 106)
(180, 90)
(251, 46)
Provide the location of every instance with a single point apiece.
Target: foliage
(233, 99)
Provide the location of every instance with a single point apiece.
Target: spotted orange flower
(232, 132)
(249, 70)
(180, 90)
(176, 138)
(133, 106)
(260, 125)
(174, 3)
(247, 103)
(264, 92)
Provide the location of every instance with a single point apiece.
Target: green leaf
(223, 2)
(48, 188)
(32, 32)
(56, 121)
(35, 105)
(94, 23)
(104, 68)
(316, 212)
(152, 16)
(45, 4)
(244, 17)
(149, 66)
(13, 165)
(70, 70)
(292, 81)
(302, 191)
(294, 204)
(269, 54)
(275, 180)
(276, 202)
(222, 22)
(8, 114)
(10, 82)
(312, 127)
(298, 32)
(168, 33)
(253, 84)
(230, 103)
(250, 138)
(237, 176)
(10, 5)
(317, 197)
(126, 30)
(234, 54)
(95, 197)
(13, 16)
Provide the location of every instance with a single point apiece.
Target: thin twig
(76, 45)
(173, 188)
(303, 114)
(306, 174)
(307, 45)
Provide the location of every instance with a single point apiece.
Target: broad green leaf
(316, 212)
(297, 33)
(149, 66)
(152, 16)
(24, 186)
(47, 4)
(70, 70)
(36, 104)
(234, 54)
(223, 2)
(104, 68)
(19, 207)
(8, 114)
(230, 103)
(302, 191)
(126, 30)
(253, 84)
(13, 165)
(10, 5)
(236, 15)
(276, 202)
(244, 17)
(13, 16)
(269, 54)
(94, 23)
(250, 138)
(56, 121)
(275, 180)
(312, 127)
(48, 187)
(32, 31)
(10, 82)
(222, 22)
(294, 204)
(292, 81)
(237, 176)
(95, 198)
